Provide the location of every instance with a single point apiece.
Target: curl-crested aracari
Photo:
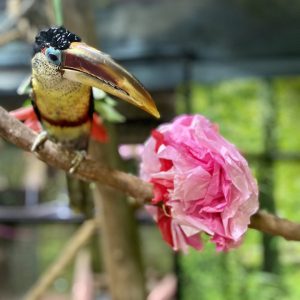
(64, 70)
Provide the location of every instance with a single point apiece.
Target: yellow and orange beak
(89, 66)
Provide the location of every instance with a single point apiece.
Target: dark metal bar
(266, 178)
(51, 214)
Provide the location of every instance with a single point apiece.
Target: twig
(17, 133)
(78, 240)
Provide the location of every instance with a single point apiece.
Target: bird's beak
(89, 66)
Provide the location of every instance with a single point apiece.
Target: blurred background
(236, 62)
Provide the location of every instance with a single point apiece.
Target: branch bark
(271, 224)
(18, 134)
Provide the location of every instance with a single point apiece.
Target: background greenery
(246, 111)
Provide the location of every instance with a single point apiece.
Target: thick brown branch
(274, 225)
(17, 133)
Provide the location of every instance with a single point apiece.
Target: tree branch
(274, 225)
(53, 154)
(15, 132)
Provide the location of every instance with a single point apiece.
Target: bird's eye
(53, 55)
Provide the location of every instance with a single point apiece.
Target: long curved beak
(92, 67)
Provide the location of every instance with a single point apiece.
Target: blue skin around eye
(53, 56)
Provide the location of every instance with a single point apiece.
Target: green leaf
(25, 86)
(105, 107)
(27, 102)
(108, 112)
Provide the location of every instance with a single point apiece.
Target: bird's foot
(79, 157)
(39, 140)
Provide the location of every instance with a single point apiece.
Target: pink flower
(201, 184)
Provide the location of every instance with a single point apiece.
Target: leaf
(105, 107)
(25, 86)
(27, 102)
(108, 112)
(98, 94)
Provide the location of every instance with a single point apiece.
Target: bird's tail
(80, 196)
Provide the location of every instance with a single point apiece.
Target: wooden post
(119, 233)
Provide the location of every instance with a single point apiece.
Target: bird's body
(64, 70)
(65, 110)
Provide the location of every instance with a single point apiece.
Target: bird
(64, 71)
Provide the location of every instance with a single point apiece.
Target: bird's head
(61, 54)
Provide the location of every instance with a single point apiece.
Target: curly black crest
(56, 37)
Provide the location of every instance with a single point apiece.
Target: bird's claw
(79, 157)
(39, 140)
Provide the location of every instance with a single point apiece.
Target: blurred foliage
(236, 106)
(105, 106)
(153, 248)
(11, 166)
(240, 109)
(55, 189)
(232, 275)
(287, 189)
(51, 239)
(288, 95)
